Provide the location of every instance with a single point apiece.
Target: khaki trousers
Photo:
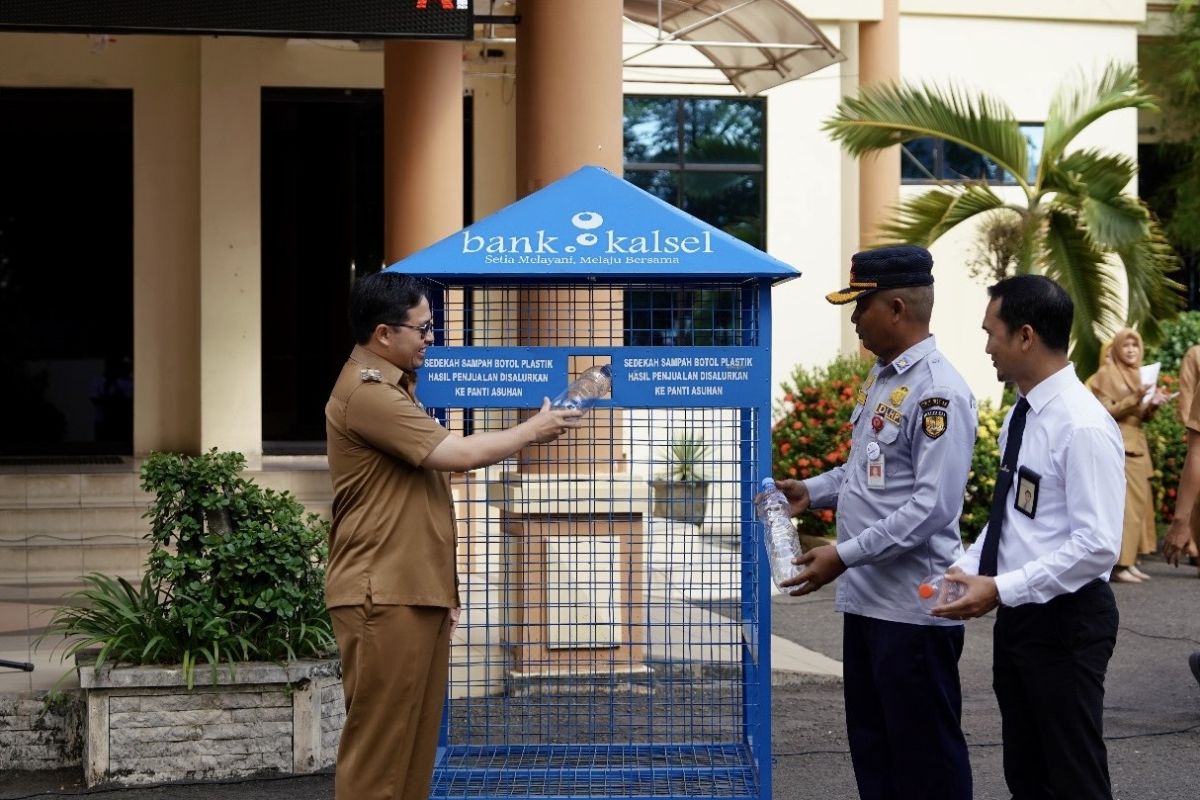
(395, 668)
(1138, 534)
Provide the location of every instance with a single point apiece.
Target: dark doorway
(66, 272)
(322, 226)
(322, 223)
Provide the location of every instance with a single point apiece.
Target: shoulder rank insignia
(898, 395)
(892, 415)
(869, 382)
(370, 375)
(934, 416)
(860, 399)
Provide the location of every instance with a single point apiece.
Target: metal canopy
(756, 44)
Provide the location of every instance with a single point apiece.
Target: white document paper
(1150, 376)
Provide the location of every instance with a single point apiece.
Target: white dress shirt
(1074, 445)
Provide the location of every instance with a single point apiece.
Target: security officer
(391, 587)
(898, 499)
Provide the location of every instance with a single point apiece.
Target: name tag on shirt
(1026, 500)
(875, 472)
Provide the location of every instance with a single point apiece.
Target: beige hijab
(1116, 379)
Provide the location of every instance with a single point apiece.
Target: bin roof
(592, 224)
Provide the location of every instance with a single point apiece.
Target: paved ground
(1152, 711)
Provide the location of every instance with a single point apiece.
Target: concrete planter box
(145, 726)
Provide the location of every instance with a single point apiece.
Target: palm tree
(1076, 214)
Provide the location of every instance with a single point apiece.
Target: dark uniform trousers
(904, 710)
(395, 668)
(1048, 674)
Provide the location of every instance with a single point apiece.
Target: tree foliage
(1075, 218)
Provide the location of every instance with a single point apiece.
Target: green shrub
(1168, 447)
(812, 429)
(1178, 335)
(235, 573)
(985, 464)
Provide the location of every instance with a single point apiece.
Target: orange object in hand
(925, 591)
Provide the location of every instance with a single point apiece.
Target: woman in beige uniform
(1118, 385)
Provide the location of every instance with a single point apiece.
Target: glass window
(705, 155)
(933, 160)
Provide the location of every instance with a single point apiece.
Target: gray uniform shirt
(897, 530)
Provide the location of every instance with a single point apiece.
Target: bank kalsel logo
(592, 244)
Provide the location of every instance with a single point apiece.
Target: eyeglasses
(423, 330)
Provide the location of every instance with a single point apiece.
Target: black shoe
(1194, 663)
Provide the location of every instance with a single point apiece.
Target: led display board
(322, 19)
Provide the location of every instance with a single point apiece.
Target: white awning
(755, 44)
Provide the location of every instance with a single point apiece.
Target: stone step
(58, 526)
(122, 489)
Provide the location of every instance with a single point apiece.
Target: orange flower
(785, 448)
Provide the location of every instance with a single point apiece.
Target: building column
(879, 173)
(569, 115)
(423, 144)
(230, 248)
(569, 100)
(166, 251)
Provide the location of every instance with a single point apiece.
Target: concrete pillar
(230, 249)
(879, 174)
(569, 100)
(166, 248)
(569, 111)
(423, 144)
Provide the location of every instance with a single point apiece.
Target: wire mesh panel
(612, 642)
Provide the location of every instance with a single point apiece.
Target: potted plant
(681, 489)
(235, 582)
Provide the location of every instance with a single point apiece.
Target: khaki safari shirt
(393, 537)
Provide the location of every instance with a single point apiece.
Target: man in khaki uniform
(391, 587)
(1183, 535)
(1189, 376)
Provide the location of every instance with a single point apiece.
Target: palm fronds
(888, 114)
(924, 218)
(1075, 106)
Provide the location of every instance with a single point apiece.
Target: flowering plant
(812, 429)
(981, 480)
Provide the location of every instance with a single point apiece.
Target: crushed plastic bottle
(937, 591)
(584, 391)
(780, 537)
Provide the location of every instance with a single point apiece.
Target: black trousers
(1048, 673)
(904, 710)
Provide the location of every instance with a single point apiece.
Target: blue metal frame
(687, 765)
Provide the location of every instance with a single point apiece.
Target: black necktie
(1008, 465)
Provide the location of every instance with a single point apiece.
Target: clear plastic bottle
(936, 591)
(584, 391)
(780, 537)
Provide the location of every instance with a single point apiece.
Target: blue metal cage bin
(615, 638)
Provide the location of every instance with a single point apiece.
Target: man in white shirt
(1045, 557)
